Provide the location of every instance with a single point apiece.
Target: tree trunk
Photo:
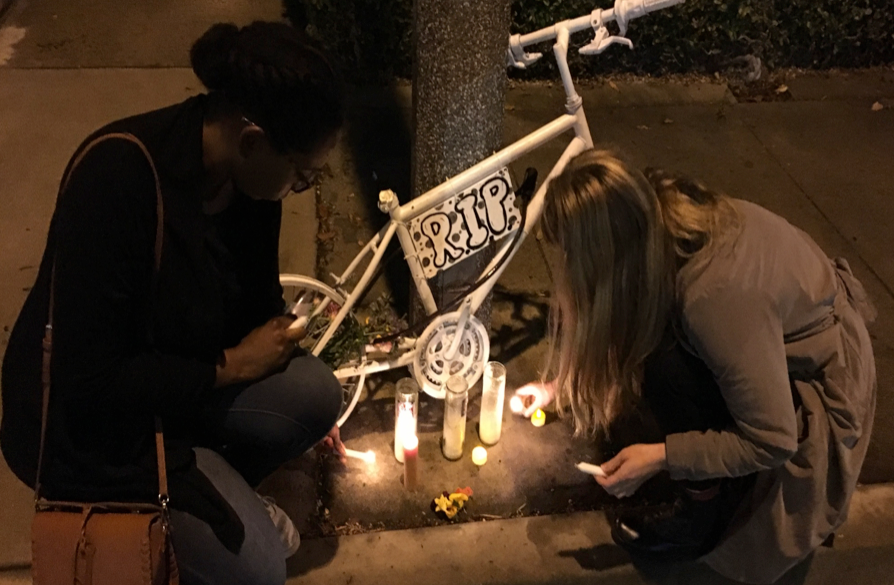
(459, 86)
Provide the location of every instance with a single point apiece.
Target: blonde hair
(621, 237)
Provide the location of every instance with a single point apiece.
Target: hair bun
(210, 55)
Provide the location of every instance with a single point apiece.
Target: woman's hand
(630, 468)
(265, 349)
(532, 396)
(332, 445)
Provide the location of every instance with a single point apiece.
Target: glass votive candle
(493, 393)
(406, 413)
(456, 402)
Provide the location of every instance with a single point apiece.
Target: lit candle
(406, 398)
(479, 456)
(490, 423)
(411, 461)
(538, 419)
(516, 404)
(405, 426)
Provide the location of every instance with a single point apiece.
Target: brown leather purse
(106, 543)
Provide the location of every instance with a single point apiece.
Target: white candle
(490, 423)
(479, 456)
(406, 398)
(405, 426)
(455, 403)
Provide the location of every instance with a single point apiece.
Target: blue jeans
(267, 424)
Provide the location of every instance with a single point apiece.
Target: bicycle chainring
(430, 364)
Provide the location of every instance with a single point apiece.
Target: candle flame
(368, 456)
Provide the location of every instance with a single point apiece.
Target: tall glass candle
(490, 424)
(411, 461)
(406, 401)
(455, 403)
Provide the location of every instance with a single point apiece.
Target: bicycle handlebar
(653, 5)
(622, 12)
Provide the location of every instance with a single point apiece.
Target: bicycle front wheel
(345, 349)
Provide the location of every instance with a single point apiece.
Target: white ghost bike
(474, 210)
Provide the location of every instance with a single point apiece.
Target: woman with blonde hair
(746, 344)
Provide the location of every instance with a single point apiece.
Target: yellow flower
(442, 502)
(459, 499)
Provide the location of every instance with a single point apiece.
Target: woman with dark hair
(202, 343)
(741, 340)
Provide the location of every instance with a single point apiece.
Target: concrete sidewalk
(822, 163)
(564, 550)
(573, 549)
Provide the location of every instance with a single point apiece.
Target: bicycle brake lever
(602, 41)
(516, 55)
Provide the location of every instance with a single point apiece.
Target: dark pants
(679, 394)
(256, 429)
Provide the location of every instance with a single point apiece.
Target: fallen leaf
(642, 127)
(782, 88)
(612, 85)
(668, 121)
(877, 106)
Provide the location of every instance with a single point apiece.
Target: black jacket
(119, 356)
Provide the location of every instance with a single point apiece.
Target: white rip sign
(466, 223)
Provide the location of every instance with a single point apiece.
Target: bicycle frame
(400, 215)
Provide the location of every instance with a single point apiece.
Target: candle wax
(406, 425)
(411, 461)
(490, 422)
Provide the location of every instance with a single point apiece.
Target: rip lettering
(495, 193)
(436, 227)
(467, 206)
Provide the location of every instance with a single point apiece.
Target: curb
(572, 549)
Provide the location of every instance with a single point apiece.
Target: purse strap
(48, 333)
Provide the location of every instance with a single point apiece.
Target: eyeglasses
(306, 178)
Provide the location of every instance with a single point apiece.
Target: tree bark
(459, 86)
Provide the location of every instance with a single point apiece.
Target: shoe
(675, 531)
(288, 534)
